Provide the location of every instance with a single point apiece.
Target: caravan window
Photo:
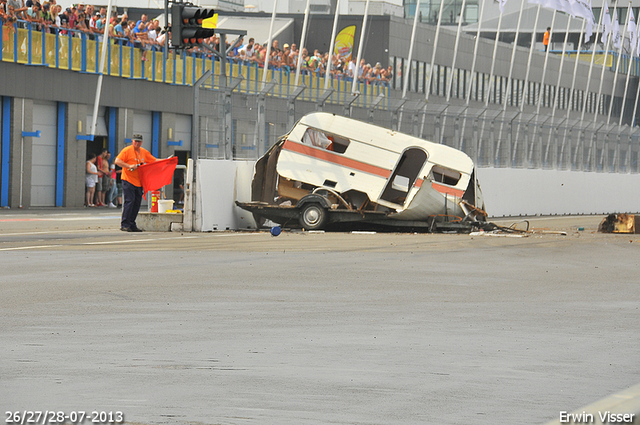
(445, 175)
(324, 140)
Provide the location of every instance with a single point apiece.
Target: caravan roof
(383, 138)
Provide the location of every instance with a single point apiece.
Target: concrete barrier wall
(510, 191)
(219, 185)
(507, 191)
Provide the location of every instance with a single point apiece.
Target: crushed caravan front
(331, 169)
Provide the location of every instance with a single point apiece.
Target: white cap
(113, 166)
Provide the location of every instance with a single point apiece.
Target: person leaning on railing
(34, 16)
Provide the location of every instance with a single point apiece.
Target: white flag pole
(571, 92)
(488, 95)
(354, 84)
(433, 58)
(525, 90)
(472, 74)
(506, 96)
(538, 97)
(411, 43)
(103, 55)
(455, 52)
(433, 53)
(453, 68)
(266, 59)
(586, 89)
(302, 41)
(544, 67)
(405, 84)
(331, 47)
(597, 106)
(556, 96)
(604, 66)
(593, 55)
(615, 76)
(631, 53)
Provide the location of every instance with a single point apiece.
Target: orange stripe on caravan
(335, 158)
(447, 189)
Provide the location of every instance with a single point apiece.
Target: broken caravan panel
(361, 172)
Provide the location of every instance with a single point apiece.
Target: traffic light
(186, 25)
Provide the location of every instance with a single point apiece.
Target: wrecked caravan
(332, 169)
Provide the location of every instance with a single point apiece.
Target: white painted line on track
(138, 240)
(29, 247)
(76, 218)
(53, 232)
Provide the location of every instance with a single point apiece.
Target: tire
(313, 216)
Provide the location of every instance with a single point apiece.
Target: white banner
(575, 8)
(501, 4)
(615, 32)
(606, 24)
(633, 35)
(582, 9)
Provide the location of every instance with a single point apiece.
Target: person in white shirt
(248, 52)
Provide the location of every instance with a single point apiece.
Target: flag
(582, 9)
(211, 22)
(606, 23)
(154, 175)
(633, 36)
(344, 42)
(576, 8)
(559, 5)
(615, 32)
(501, 4)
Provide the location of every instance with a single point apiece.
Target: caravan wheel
(313, 216)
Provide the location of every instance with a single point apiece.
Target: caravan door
(404, 176)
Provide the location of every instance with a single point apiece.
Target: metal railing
(76, 50)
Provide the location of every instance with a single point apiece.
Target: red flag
(154, 175)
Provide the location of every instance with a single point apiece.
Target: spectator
(106, 177)
(81, 25)
(141, 38)
(91, 178)
(152, 36)
(93, 24)
(286, 62)
(247, 52)
(34, 15)
(143, 20)
(128, 33)
(294, 54)
(18, 8)
(10, 17)
(351, 69)
(112, 195)
(64, 19)
(118, 31)
(163, 35)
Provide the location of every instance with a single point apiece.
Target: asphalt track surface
(313, 328)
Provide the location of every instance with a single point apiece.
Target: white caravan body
(361, 166)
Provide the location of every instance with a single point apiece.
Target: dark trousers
(131, 206)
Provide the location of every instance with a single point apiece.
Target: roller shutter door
(43, 156)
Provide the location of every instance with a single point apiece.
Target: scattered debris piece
(620, 223)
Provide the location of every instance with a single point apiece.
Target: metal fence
(240, 125)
